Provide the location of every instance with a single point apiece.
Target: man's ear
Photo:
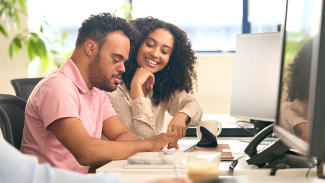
(90, 48)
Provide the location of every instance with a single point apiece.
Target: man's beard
(98, 78)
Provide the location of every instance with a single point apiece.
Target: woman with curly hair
(293, 116)
(158, 77)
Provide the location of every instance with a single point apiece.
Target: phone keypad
(267, 146)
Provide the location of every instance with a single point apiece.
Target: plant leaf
(34, 36)
(31, 51)
(17, 19)
(17, 42)
(54, 52)
(45, 63)
(11, 52)
(55, 41)
(22, 5)
(1, 11)
(64, 34)
(13, 1)
(44, 21)
(40, 49)
(41, 29)
(118, 9)
(15, 46)
(2, 30)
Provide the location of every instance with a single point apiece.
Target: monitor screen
(301, 77)
(256, 76)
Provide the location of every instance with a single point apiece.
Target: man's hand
(178, 124)
(159, 141)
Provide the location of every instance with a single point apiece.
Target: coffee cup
(214, 126)
(200, 165)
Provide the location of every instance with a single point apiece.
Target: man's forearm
(127, 136)
(98, 152)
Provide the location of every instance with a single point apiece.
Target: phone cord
(277, 167)
(233, 165)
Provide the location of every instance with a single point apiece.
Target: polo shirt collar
(70, 68)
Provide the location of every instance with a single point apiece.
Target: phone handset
(269, 152)
(251, 149)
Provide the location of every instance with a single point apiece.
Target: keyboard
(164, 156)
(183, 147)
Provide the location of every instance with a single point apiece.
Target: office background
(219, 20)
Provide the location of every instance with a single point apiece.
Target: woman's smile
(151, 63)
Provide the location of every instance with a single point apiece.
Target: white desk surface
(236, 147)
(144, 178)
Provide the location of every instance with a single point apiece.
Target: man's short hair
(96, 28)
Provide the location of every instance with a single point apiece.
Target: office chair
(24, 87)
(6, 127)
(14, 108)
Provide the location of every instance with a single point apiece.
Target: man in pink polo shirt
(67, 111)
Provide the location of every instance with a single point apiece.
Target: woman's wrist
(184, 117)
(136, 91)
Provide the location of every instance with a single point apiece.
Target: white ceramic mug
(213, 125)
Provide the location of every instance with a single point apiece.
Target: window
(265, 16)
(211, 25)
(67, 15)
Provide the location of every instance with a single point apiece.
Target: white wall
(215, 76)
(15, 68)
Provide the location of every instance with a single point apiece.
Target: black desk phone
(274, 153)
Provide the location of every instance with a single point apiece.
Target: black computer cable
(277, 167)
(233, 165)
(308, 171)
(311, 168)
(250, 131)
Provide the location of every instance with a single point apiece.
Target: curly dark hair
(96, 28)
(299, 74)
(178, 74)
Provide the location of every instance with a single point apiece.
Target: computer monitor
(300, 120)
(256, 76)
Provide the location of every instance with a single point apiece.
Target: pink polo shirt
(62, 94)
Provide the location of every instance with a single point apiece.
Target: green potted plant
(34, 42)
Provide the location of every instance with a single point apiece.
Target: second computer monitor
(256, 76)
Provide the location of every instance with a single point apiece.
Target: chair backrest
(14, 107)
(6, 127)
(24, 87)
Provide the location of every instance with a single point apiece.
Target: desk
(237, 148)
(141, 178)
